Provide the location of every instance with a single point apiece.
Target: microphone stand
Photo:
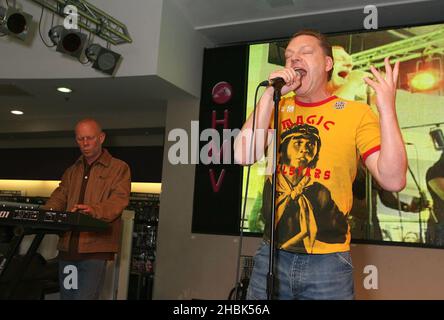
(423, 202)
(270, 275)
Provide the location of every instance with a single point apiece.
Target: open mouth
(301, 71)
(343, 74)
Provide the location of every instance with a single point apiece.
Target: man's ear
(102, 137)
(328, 63)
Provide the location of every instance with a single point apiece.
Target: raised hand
(385, 87)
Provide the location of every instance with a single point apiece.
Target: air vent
(12, 90)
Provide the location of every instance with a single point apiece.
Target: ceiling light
(64, 90)
(14, 22)
(17, 112)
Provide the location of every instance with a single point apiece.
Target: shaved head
(90, 122)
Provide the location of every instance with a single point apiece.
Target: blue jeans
(301, 276)
(88, 283)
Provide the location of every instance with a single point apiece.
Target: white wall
(34, 60)
(180, 51)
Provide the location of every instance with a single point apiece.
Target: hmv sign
(217, 192)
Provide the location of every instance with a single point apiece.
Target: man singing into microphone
(321, 139)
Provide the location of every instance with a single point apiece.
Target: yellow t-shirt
(319, 149)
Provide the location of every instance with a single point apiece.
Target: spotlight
(14, 22)
(103, 59)
(425, 80)
(70, 42)
(437, 138)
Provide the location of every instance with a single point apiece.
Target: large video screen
(414, 216)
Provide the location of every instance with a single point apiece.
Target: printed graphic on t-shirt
(319, 146)
(305, 211)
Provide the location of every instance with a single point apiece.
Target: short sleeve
(368, 134)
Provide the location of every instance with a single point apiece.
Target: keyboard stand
(10, 279)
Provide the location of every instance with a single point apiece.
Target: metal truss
(403, 50)
(92, 19)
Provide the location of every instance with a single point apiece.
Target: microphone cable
(40, 29)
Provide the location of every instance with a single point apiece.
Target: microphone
(277, 82)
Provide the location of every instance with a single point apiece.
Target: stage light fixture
(437, 138)
(424, 80)
(69, 42)
(14, 22)
(103, 59)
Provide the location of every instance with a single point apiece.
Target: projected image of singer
(99, 185)
(345, 82)
(321, 139)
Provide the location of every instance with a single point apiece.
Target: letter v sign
(216, 186)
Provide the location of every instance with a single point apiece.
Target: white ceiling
(232, 21)
(207, 14)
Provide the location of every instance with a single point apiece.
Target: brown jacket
(107, 192)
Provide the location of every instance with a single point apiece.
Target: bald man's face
(90, 140)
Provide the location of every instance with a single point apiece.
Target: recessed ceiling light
(64, 90)
(17, 112)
